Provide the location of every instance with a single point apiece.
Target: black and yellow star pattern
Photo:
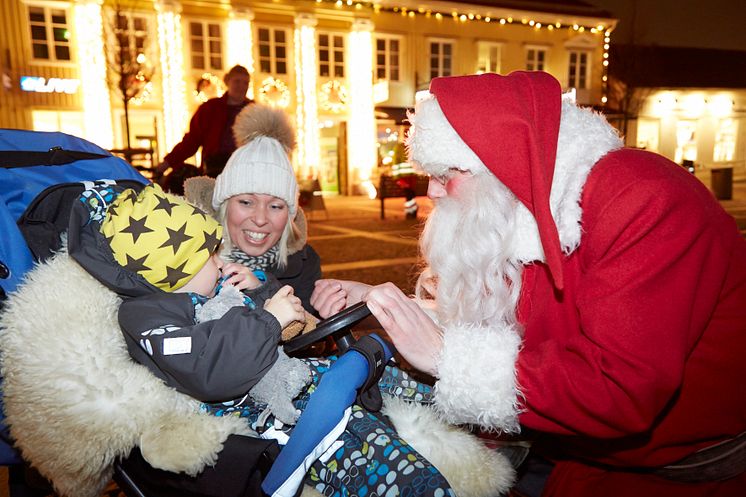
(159, 236)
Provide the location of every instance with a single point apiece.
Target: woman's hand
(331, 296)
(241, 277)
(417, 338)
(285, 306)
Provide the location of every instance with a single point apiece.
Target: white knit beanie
(261, 163)
(260, 166)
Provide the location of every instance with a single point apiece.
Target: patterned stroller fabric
(370, 458)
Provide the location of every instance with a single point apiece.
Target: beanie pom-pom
(261, 120)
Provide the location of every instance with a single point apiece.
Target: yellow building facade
(344, 70)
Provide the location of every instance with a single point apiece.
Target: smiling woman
(256, 200)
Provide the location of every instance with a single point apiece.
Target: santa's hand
(417, 338)
(240, 277)
(331, 296)
(285, 306)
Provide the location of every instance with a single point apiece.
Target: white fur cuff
(435, 145)
(477, 383)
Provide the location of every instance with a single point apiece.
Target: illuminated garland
(145, 94)
(208, 86)
(275, 92)
(334, 97)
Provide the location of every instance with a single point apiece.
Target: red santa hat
(505, 124)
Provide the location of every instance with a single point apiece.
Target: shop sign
(52, 85)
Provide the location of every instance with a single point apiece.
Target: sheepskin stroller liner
(42, 174)
(31, 161)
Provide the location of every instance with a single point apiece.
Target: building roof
(675, 67)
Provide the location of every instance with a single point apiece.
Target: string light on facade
(605, 66)
(175, 115)
(240, 43)
(362, 154)
(462, 17)
(95, 93)
(306, 112)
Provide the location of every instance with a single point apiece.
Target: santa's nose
(435, 189)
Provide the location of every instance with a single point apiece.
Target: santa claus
(589, 295)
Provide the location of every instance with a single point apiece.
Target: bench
(310, 197)
(396, 186)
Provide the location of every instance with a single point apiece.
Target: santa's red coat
(641, 360)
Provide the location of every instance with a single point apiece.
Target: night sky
(680, 23)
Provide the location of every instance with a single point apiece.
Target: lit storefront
(705, 127)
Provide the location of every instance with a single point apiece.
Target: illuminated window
(50, 35)
(70, 122)
(536, 59)
(489, 57)
(725, 141)
(387, 57)
(331, 55)
(273, 50)
(648, 132)
(205, 41)
(441, 58)
(686, 141)
(578, 70)
(132, 35)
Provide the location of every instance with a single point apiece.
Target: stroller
(80, 409)
(41, 175)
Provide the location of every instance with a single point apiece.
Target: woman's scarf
(264, 262)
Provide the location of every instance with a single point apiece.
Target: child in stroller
(166, 261)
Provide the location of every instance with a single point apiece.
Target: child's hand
(241, 277)
(285, 306)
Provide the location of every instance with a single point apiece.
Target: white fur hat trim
(434, 145)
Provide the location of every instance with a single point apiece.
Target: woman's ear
(298, 232)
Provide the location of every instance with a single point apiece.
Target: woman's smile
(256, 221)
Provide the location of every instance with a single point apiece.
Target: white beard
(468, 245)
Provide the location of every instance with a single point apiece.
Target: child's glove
(296, 328)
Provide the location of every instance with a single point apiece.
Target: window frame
(272, 58)
(49, 27)
(540, 65)
(334, 67)
(726, 140)
(687, 146)
(206, 40)
(388, 54)
(133, 33)
(584, 75)
(489, 45)
(440, 70)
